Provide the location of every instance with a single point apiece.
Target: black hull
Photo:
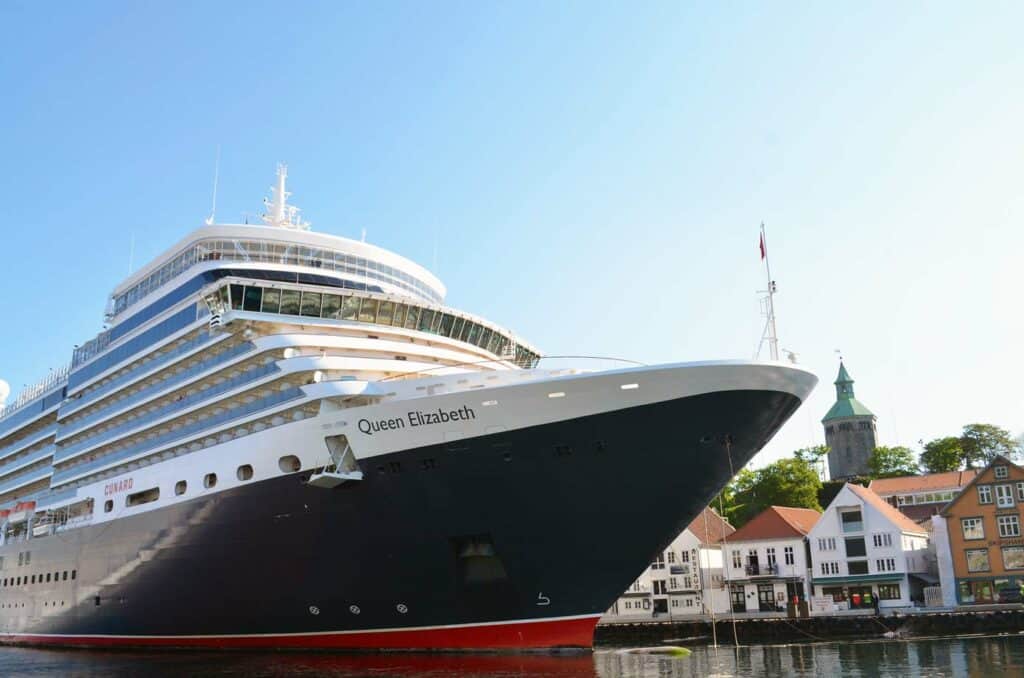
(572, 510)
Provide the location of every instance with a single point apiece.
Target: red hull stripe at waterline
(571, 632)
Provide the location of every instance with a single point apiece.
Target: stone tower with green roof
(849, 431)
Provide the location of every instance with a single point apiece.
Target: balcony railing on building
(758, 570)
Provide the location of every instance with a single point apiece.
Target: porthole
(180, 487)
(289, 464)
(245, 472)
(209, 480)
(108, 506)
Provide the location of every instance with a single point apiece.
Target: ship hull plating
(518, 539)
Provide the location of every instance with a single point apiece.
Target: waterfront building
(921, 497)
(685, 579)
(980, 548)
(850, 431)
(767, 560)
(863, 549)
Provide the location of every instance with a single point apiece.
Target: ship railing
(181, 403)
(472, 379)
(203, 339)
(31, 393)
(52, 520)
(70, 429)
(201, 426)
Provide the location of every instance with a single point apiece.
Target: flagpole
(773, 338)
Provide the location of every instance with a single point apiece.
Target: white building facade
(767, 561)
(684, 580)
(866, 553)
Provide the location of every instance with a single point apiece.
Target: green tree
(787, 482)
(812, 455)
(982, 442)
(731, 502)
(942, 454)
(892, 462)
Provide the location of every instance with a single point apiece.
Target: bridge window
(332, 304)
(371, 310)
(447, 321)
(399, 315)
(271, 300)
(350, 308)
(236, 297)
(253, 297)
(368, 311)
(426, 320)
(412, 318)
(311, 304)
(386, 313)
(289, 302)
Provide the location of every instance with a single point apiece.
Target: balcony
(756, 570)
(211, 424)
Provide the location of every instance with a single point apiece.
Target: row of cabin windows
(41, 578)
(288, 464)
(368, 310)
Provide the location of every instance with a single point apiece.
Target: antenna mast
(216, 175)
(769, 334)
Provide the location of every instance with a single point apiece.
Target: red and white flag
(764, 251)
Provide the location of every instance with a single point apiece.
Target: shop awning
(858, 579)
(925, 577)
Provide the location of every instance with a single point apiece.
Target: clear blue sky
(591, 174)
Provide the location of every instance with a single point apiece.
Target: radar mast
(279, 213)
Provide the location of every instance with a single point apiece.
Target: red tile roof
(900, 520)
(717, 527)
(930, 482)
(777, 522)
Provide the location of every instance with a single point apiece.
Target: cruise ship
(286, 439)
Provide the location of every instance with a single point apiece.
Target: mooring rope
(725, 544)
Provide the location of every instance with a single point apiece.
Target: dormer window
(1002, 472)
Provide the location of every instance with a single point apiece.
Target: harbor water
(973, 656)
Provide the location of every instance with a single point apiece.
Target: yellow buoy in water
(670, 650)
